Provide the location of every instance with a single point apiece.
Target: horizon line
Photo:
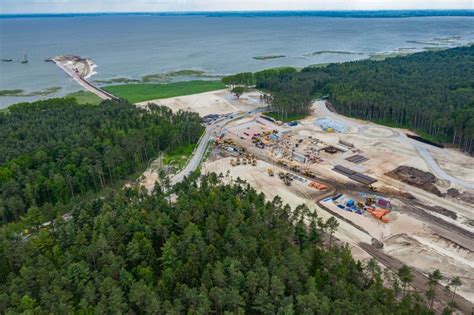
(235, 11)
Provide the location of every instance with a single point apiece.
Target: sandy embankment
(214, 102)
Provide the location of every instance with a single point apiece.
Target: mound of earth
(415, 177)
(464, 196)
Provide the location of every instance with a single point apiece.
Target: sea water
(131, 45)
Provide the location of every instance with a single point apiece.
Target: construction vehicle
(295, 167)
(270, 172)
(254, 163)
(308, 173)
(378, 213)
(232, 162)
(244, 161)
(287, 178)
(360, 205)
(229, 141)
(373, 188)
(318, 186)
(238, 161)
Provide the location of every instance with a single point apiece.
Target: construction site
(373, 179)
(396, 199)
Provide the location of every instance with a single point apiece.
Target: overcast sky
(60, 6)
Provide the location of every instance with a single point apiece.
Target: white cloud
(37, 6)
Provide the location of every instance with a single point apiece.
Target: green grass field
(179, 156)
(136, 93)
(84, 97)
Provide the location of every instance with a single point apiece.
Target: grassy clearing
(179, 156)
(288, 119)
(84, 97)
(145, 92)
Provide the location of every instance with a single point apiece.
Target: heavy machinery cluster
(246, 159)
(373, 205)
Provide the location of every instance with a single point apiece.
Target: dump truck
(270, 172)
(237, 162)
(254, 163)
(233, 163)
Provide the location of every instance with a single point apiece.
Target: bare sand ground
(215, 102)
(456, 164)
(429, 252)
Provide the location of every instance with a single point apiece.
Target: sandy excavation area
(456, 163)
(429, 252)
(214, 102)
(406, 235)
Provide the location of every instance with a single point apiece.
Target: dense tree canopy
(55, 150)
(217, 249)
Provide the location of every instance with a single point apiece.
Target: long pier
(82, 81)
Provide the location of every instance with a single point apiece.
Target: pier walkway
(82, 81)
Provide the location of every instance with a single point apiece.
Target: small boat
(48, 60)
(25, 60)
(7, 60)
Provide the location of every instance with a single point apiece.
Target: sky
(76, 6)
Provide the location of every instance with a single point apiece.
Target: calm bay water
(136, 45)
